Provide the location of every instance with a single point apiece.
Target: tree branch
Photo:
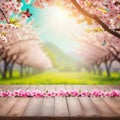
(117, 29)
(96, 18)
(4, 16)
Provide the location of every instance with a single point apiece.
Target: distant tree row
(19, 42)
(98, 49)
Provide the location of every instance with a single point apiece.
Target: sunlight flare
(58, 15)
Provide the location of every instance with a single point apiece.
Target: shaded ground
(63, 78)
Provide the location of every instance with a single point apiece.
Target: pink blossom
(62, 93)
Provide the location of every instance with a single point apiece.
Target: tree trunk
(32, 71)
(11, 70)
(21, 71)
(27, 72)
(93, 68)
(4, 75)
(1, 71)
(99, 69)
(107, 69)
(119, 67)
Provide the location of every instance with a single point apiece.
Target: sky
(54, 25)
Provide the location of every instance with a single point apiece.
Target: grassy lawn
(63, 78)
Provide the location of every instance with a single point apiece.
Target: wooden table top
(59, 108)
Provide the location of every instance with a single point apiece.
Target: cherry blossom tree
(8, 8)
(94, 53)
(106, 13)
(19, 43)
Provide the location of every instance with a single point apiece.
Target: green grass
(63, 78)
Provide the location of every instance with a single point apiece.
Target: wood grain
(59, 108)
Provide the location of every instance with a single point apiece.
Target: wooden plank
(48, 106)
(108, 87)
(102, 107)
(2, 99)
(105, 87)
(115, 87)
(13, 87)
(87, 105)
(113, 103)
(4, 87)
(91, 87)
(74, 105)
(99, 103)
(25, 87)
(104, 111)
(40, 109)
(48, 103)
(34, 106)
(8, 103)
(13, 113)
(84, 87)
(9, 87)
(61, 108)
(20, 104)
